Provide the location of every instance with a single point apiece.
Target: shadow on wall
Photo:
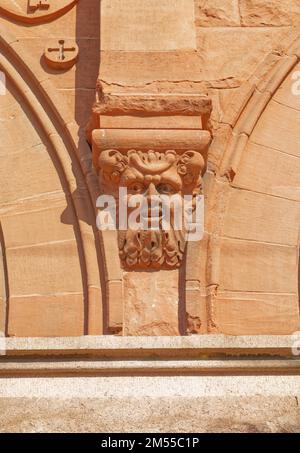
(86, 75)
(87, 68)
(4, 288)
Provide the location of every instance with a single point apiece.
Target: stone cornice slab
(206, 355)
(113, 347)
(160, 140)
(153, 104)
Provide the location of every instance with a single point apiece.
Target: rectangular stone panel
(27, 173)
(150, 122)
(257, 314)
(261, 217)
(150, 25)
(44, 269)
(40, 226)
(270, 171)
(278, 128)
(234, 52)
(17, 130)
(151, 303)
(154, 69)
(46, 316)
(288, 93)
(257, 266)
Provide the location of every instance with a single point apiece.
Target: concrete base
(161, 405)
(109, 384)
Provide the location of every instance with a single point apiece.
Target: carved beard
(151, 249)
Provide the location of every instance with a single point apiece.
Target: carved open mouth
(148, 215)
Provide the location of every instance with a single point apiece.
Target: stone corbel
(147, 143)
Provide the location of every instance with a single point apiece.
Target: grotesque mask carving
(151, 175)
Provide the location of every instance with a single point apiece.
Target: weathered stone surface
(273, 132)
(129, 71)
(264, 169)
(154, 25)
(41, 174)
(217, 13)
(51, 260)
(265, 211)
(180, 141)
(256, 314)
(199, 404)
(264, 13)
(19, 228)
(258, 266)
(151, 303)
(46, 316)
(152, 105)
(288, 93)
(252, 414)
(245, 48)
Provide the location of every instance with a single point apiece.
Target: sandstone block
(261, 217)
(257, 314)
(255, 266)
(217, 13)
(46, 316)
(39, 269)
(278, 129)
(264, 13)
(264, 170)
(153, 26)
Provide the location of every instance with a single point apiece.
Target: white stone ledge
(200, 346)
(210, 355)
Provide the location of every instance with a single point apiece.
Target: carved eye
(165, 188)
(136, 188)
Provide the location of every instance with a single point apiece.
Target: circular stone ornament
(61, 54)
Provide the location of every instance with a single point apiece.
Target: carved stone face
(151, 174)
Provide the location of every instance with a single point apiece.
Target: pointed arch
(53, 122)
(252, 210)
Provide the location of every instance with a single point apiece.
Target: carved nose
(151, 190)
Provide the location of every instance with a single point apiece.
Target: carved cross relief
(61, 50)
(61, 54)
